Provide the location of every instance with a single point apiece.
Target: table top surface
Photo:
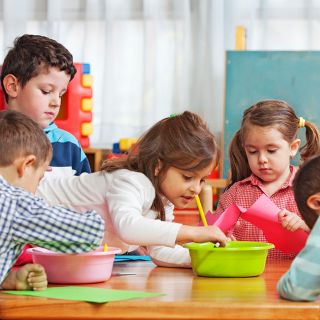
(186, 296)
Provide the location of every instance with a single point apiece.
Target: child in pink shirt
(260, 155)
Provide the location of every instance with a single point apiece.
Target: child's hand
(292, 221)
(28, 277)
(202, 234)
(31, 277)
(213, 234)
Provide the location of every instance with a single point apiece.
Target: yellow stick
(203, 217)
(105, 248)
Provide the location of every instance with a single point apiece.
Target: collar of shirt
(166, 203)
(3, 180)
(50, 127)
(254, 180)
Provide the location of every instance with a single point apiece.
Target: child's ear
(10, 84)
(313, 202)
(294, 147)
(24, 163)
(158, 168)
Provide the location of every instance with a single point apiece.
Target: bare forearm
(185, 234)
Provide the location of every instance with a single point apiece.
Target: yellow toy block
(86, 104)
(86, 129)
(87, 80)
(126, 143)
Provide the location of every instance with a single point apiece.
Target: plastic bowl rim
(111, 251)
(209, 246)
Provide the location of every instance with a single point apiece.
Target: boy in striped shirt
(25, 153)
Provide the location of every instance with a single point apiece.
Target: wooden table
(186, 297)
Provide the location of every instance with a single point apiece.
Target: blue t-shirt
(67, 151)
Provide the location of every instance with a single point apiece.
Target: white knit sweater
(123, 198)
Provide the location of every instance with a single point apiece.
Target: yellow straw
(105, 248)
(203, 217)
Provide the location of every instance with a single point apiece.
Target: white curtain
(151, 58)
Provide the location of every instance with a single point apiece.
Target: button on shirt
(25, 218)
(245, 193)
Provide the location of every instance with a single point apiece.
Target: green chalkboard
(293, 76)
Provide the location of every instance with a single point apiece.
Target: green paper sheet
(89, 294)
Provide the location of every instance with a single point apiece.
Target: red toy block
(3, 104)
(75, 114)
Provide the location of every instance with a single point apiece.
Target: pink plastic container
(89, 267)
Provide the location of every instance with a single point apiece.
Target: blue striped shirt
(25, 218)
(67, 151)
(302, 281)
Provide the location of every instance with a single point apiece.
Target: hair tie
(302, 123)
(172, 115)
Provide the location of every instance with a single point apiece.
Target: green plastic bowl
(237, 259)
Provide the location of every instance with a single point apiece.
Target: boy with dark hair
(34, 76)
(25, 153)
(302, 280)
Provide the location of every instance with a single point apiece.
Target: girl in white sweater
(136, 194)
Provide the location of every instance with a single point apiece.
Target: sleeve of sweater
(130, 197)
(302, 281)
(170, 257)
(55, 227)
(124, 196)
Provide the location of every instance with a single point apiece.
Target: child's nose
(196, 187)
(55, 101)
(262, 158)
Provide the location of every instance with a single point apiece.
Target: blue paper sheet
(127, 257)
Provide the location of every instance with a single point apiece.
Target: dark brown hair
(182, 141)
(21, 136)
(270, 113)
(32, 54)
(305, 184)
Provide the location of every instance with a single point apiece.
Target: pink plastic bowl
(89, 267)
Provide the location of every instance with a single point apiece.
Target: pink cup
(89, 267)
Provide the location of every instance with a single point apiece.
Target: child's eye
(272, 150)
(251, 151)
(202, 180)
(187, 178)
(45, 92)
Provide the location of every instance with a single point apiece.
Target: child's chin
(181, 206)
(44, 125)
